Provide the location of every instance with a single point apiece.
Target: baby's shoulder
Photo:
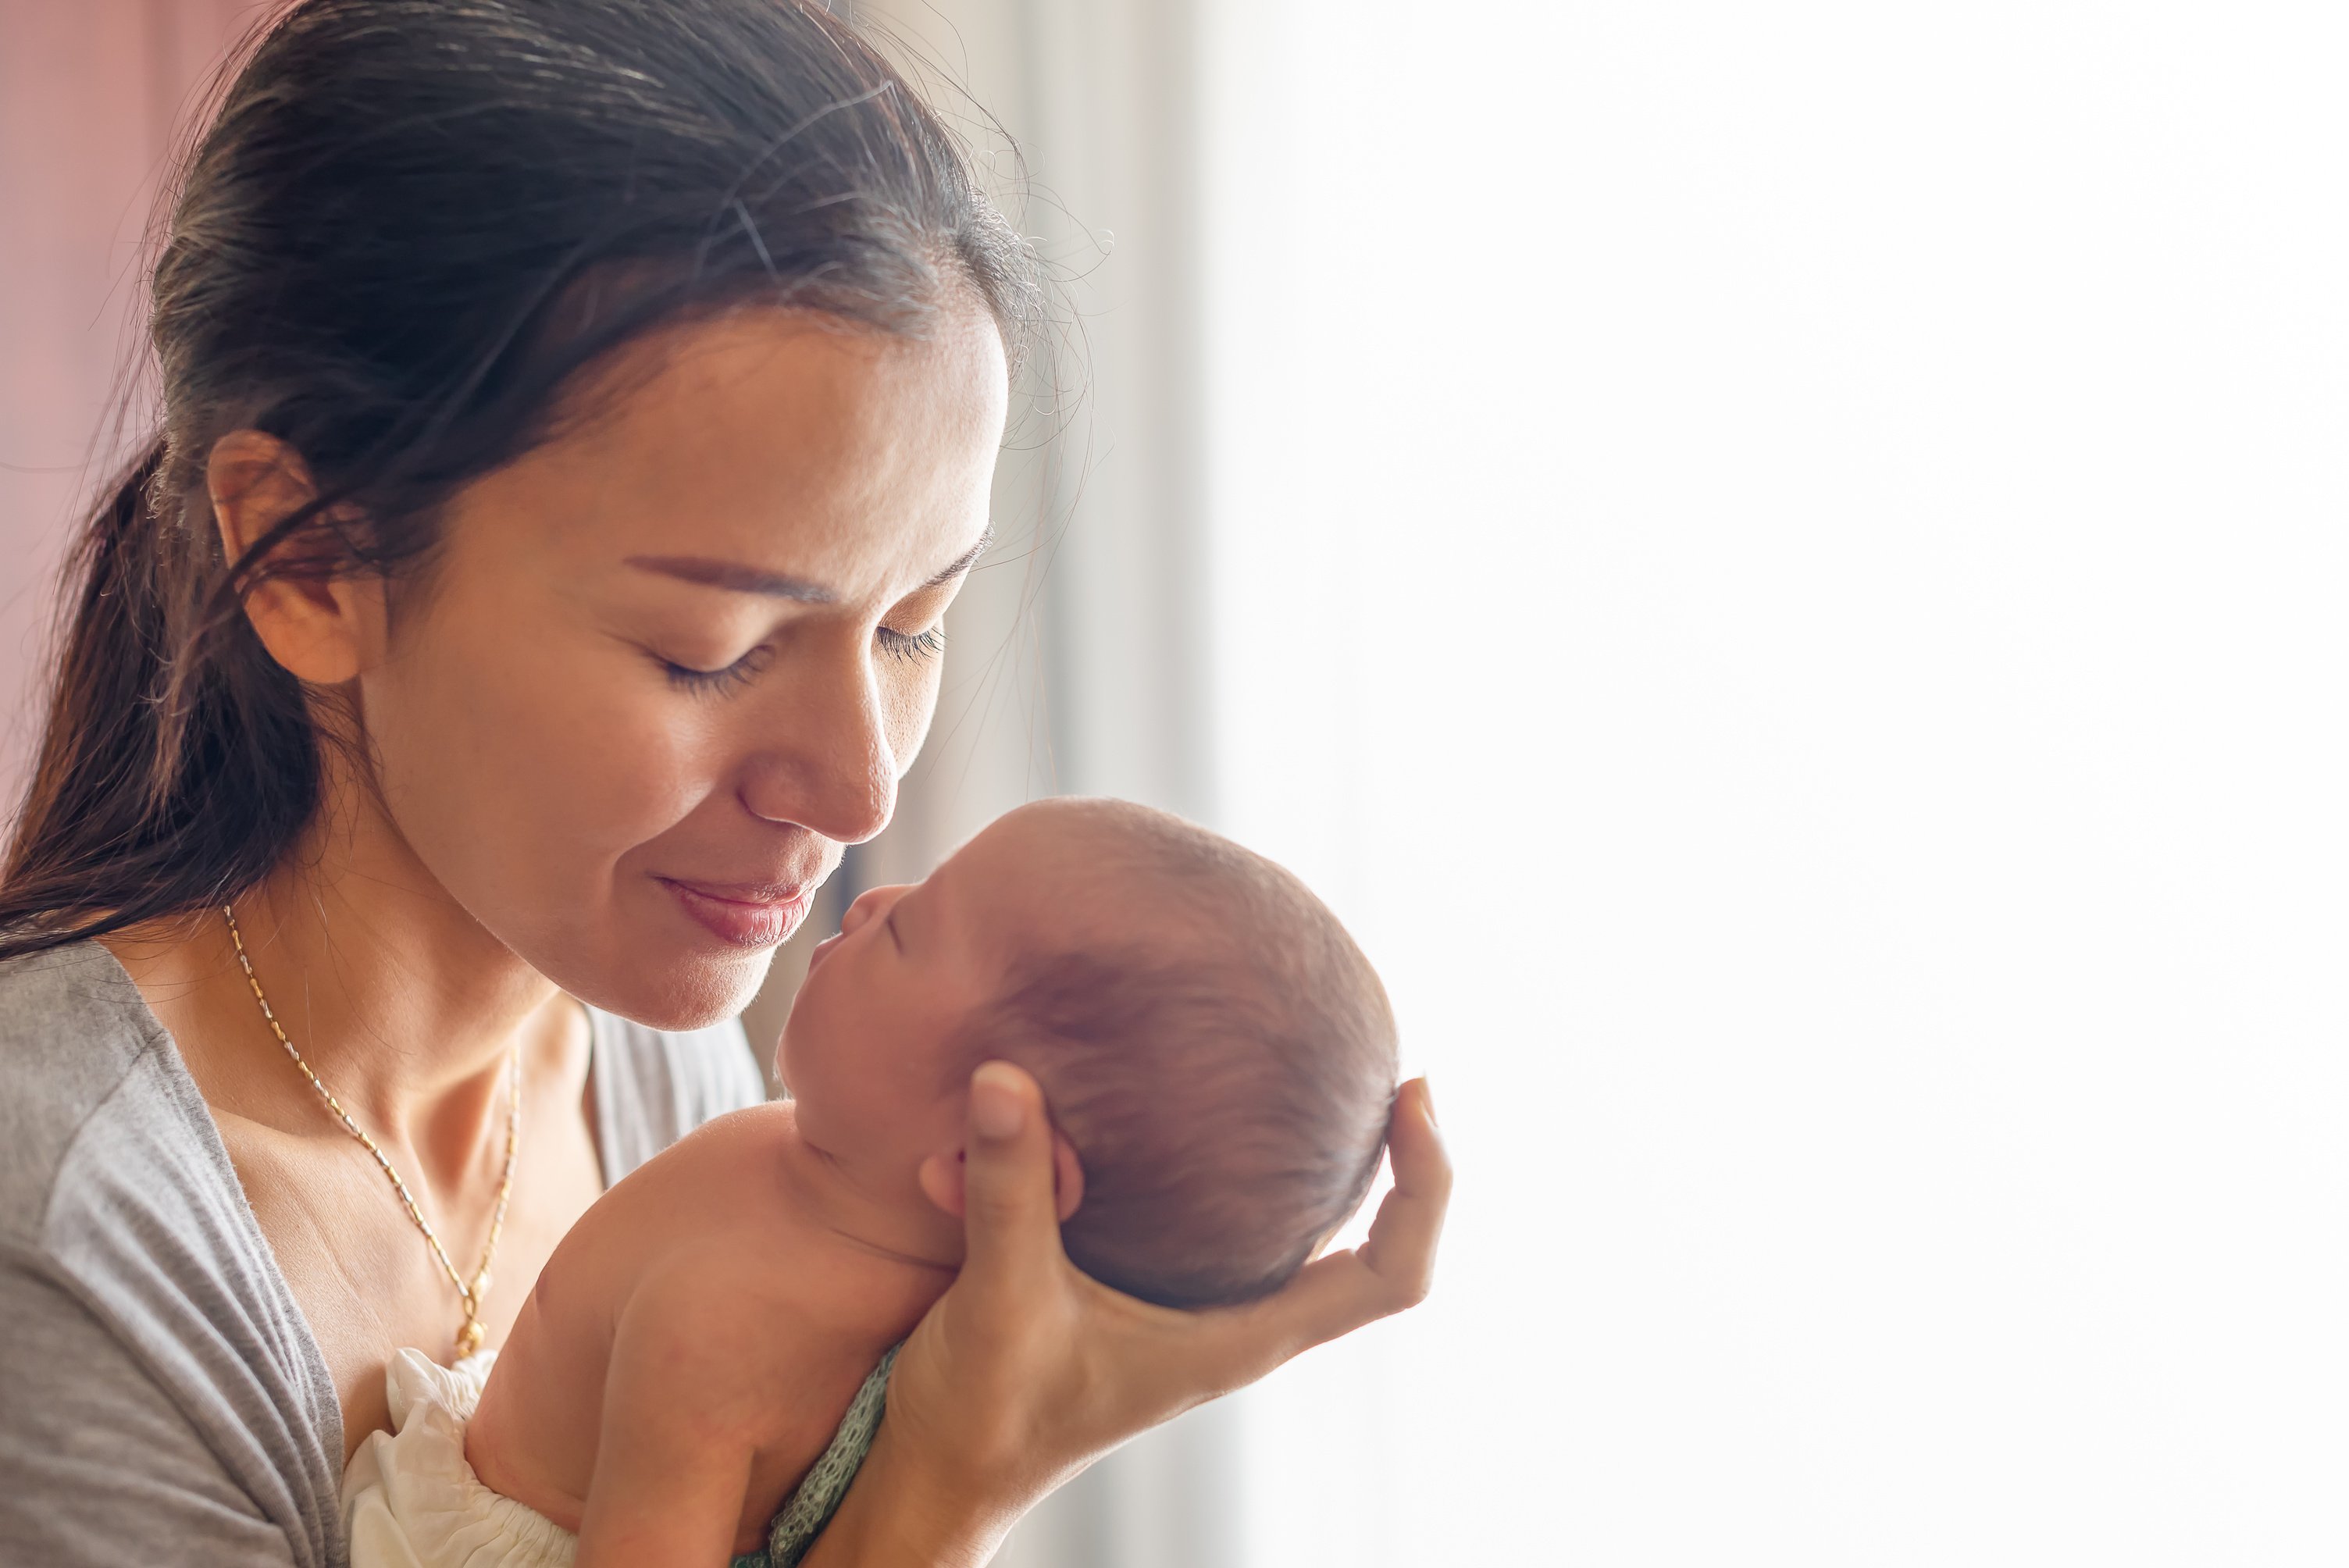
(717, 1210)
(682, 1213)
(754, 1131)
(713, 1171)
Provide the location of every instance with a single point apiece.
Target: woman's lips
(743, 915)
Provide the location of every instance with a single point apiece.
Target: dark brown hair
(410, 226)
(1218, 1051)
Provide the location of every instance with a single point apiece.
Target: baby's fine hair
(1216, 1048)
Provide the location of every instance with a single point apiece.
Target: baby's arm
(687, 1404)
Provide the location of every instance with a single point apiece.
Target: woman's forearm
(895, 1516)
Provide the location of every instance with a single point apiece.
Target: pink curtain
(92, 93)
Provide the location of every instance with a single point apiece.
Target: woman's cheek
(909, 696)
(657, 756)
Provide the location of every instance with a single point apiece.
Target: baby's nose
(872, 902)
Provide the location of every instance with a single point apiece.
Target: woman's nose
(824, 761)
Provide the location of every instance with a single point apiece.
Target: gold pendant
(469, 1338)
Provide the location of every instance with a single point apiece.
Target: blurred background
(1782, 566)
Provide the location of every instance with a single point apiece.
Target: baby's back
(699, 1281)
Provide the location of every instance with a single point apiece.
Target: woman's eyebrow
(734, 574)
(963, 563)
(743, 578)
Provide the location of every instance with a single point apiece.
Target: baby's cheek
(818, 1057)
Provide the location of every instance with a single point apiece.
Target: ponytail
(178, 761)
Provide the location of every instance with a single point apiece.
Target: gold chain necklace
(469, 1336)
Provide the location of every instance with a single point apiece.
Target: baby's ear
(941, 1179)
(1067, 1177)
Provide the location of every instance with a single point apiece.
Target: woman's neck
(396, 997)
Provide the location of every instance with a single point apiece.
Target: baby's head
(1211, 1042)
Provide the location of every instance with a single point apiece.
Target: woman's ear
(315, 628)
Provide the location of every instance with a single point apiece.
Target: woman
(578, 418)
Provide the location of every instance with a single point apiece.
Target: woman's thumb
(1008, 1218)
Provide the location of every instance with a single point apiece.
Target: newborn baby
(1216, 1050)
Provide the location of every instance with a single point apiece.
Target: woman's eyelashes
(913, 648)
(685, 678)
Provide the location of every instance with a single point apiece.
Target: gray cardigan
(162, 1400)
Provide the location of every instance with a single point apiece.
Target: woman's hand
(1027, 1370)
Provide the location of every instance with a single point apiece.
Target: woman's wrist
(898, 1515)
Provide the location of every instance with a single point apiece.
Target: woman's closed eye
(686, 677)
(913, 648)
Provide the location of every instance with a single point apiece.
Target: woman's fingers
(1387, 1273)
(1026, 1371)
(1400, 1248)
(1011, 1233)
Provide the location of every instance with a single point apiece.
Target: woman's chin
(704, 989)
(665, 983)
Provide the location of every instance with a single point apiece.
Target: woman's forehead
(771, 445)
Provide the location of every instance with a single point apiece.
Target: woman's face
(669, 663)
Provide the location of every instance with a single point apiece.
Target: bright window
(1784, 567)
